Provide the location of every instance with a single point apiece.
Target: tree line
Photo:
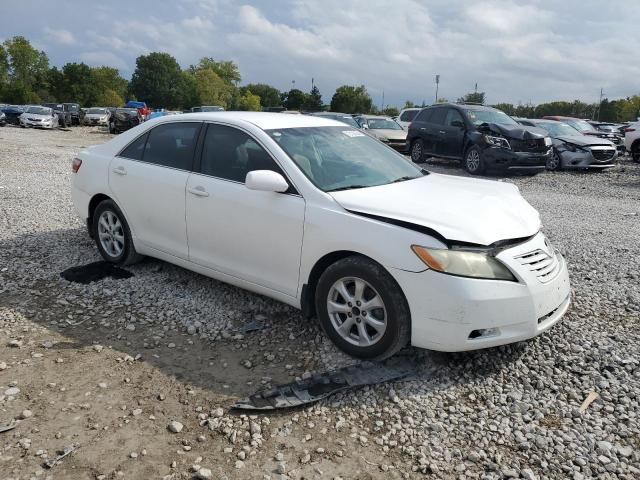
(26, 77)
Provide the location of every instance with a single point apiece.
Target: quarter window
(438, 116)
(172, 145)
(424, 115)
(135, 149)
(230, 153)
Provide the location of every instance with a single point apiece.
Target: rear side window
(172, 145)
(438, 116)
(230, 154)
(424, 115)
(408, 115)
(135, 149)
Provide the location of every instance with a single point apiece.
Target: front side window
(424, 115)
(453, 116)
(341, 158)
(172, 145)
(230, 153)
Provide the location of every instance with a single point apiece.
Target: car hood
(585, 140)
(517, 132)
(95, 115)
(390, 134)
(36, 115)
(460, 209)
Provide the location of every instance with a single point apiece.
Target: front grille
(535, 145)
(603, 154)
(34, 119)
(542, 264)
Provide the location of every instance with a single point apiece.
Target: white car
(321, 216)
(97, 116)
(40, 117)
(406, 116)
(632, 141)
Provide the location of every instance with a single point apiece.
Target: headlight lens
(463, 263)
(497, 141)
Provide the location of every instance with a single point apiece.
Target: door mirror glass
(266, 181)
(457, 123)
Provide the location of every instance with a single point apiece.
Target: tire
(473, 161)
(119, 252)
(417, 151)
(392, 320)
(635, 152)
(554, 164)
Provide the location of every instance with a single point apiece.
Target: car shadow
(121, 315)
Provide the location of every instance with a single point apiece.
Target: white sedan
(38, 117)
(323, 217)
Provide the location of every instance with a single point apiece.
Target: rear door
(452, 134)
(419, 129)
(252, 235)
(435, 130)
(148, 179)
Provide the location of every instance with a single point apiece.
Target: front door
(252, 235)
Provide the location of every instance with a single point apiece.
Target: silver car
(573, 150)
(386, 130)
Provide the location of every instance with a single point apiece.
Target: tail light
(76, 164)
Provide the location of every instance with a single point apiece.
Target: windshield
(557, 129)
(478, 117)
(607, 128)
(579, 125)
(211, 109)
(39, 110)
(340, 158)
(348, 119)
(97, 111)
(382, 124)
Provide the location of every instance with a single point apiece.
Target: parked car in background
(632, 140)
(142, 108)
(324, 218)
(96, 116)
(64, 114)
(483, 138)
(571, 149)
(585, 128)
(384, 129)
(12, 113)
(340, 117)
(77, 115)
(207, 108)
(3, 119)
(122, 119)
(37, 116)
(406, 116)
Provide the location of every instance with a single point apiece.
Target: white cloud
(60, 36)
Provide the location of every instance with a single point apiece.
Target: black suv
(484, 138)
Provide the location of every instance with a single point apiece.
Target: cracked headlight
(463, 263)
(497, 141)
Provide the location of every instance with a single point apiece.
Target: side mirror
(365, 126)
(457, 123)
(266, 181)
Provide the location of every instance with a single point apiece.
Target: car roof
(263, 120)
(375, 116)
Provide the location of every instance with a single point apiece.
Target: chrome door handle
(443, 132)
(422, 128)
(199, 191)
(120, 171)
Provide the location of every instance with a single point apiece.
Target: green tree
(4, 66)
(109, 98)
(313, 101)
(440, 100)
(26, 64)
(212, 90)
(188, 90)
(269, 96)
(472, 97)
(77, 84)
(157, 80)
(294, 99)
(391, 112)
(108, 78)
(250, 102)
(349, 99)
(226, 69)
(408, 104)
(507, 108)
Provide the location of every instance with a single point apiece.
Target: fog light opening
(484, 333)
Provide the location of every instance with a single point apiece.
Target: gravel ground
(140, 372)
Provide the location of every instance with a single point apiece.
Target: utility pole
(437, 84)
(476, 88)
(293, 84)
(382, 106)
(312, 83)
(600, 103)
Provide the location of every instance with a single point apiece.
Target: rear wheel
(417, 151)
(554, 163)
(635, 152)
(473, 161)
(112, 234)
(362, 309)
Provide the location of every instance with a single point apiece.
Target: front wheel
(473, 161)
(554, 163)
(362, 309)
(112, 234)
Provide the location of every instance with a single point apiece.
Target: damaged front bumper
(451, 313)
(502, 159)
(589, 157)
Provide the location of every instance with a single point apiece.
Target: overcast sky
(517, 51)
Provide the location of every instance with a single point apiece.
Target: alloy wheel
(473, 160)
(554, 161)
(357, 311)
(416, 151)
(111, 233)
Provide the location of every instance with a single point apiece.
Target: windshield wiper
(348, 187)
(403, 179)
